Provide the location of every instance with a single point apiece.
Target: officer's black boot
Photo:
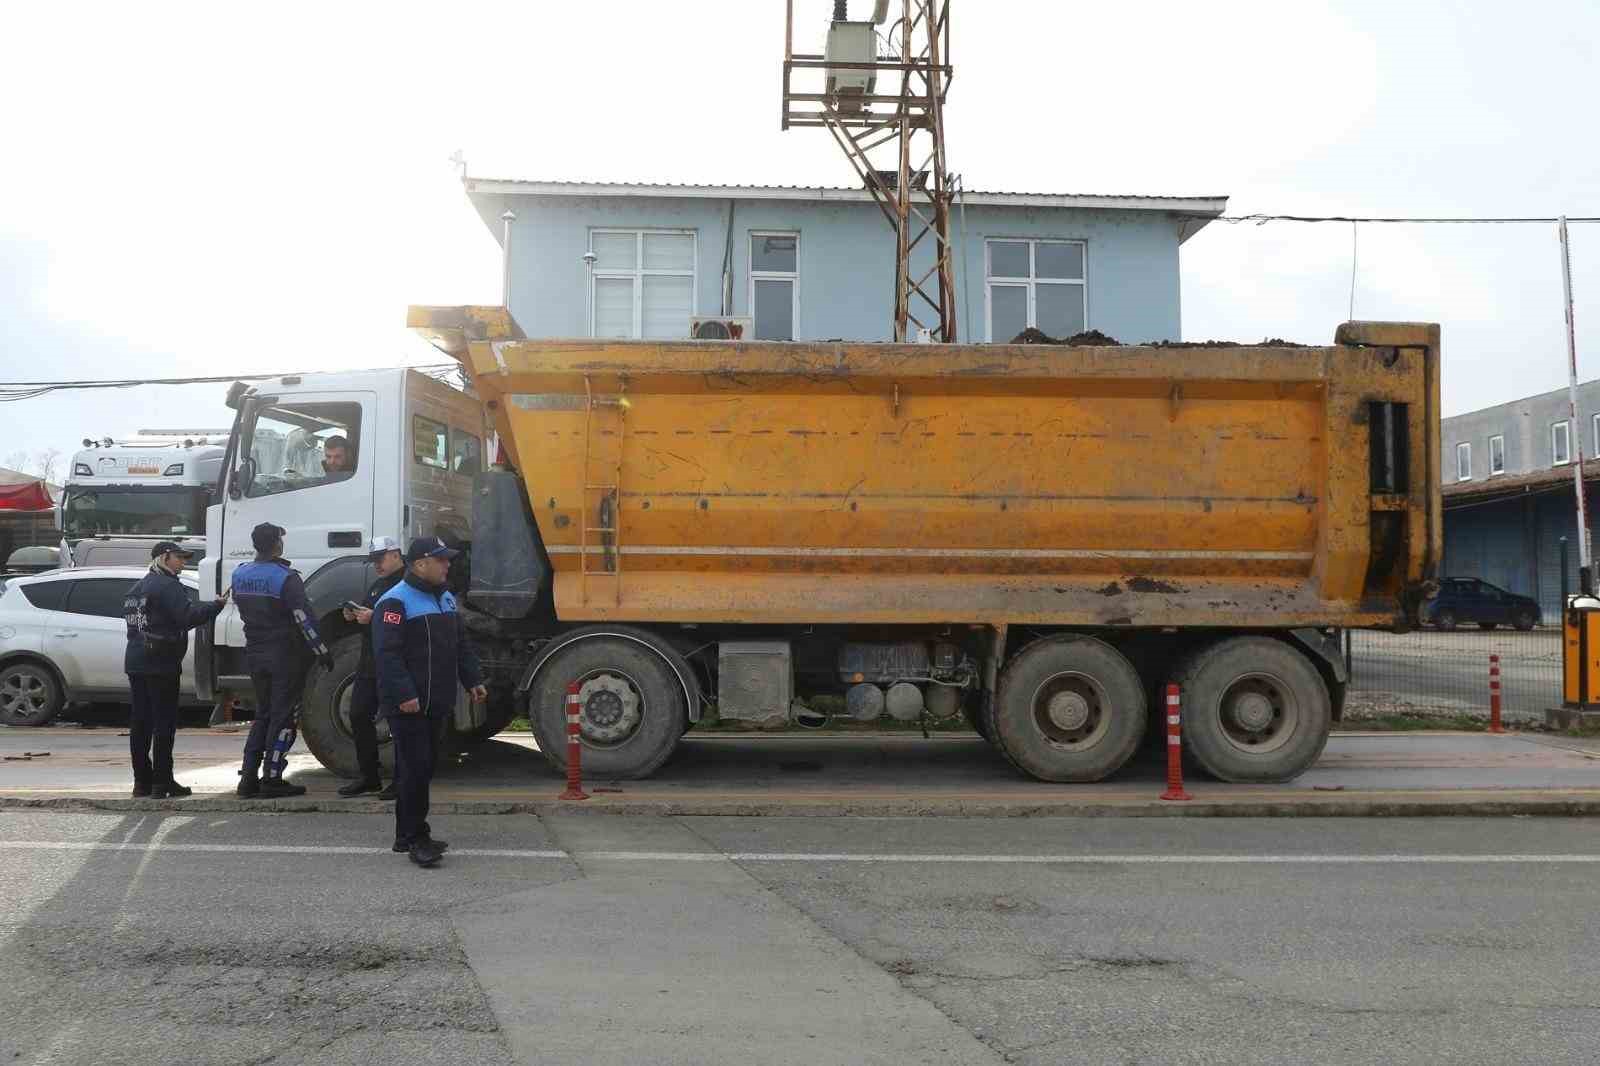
(278, 788)
(171, 790)
(141, 789)
(249, 784)
(359, 786)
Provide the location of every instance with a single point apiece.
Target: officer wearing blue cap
(388, 567)
(280, 640)
(422, 655)
(159, 615)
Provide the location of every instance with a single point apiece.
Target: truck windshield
(155, 511)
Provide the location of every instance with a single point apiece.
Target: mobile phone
(352, 605)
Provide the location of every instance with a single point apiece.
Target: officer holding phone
(388, 568)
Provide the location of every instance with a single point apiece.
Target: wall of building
(1525, 424)
(846, 260)
(1515, 543)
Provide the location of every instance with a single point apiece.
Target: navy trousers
(153, 727)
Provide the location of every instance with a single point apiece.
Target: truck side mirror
(243, 478)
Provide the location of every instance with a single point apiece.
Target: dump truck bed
(1248, 486)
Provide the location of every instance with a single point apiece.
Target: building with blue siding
(818, 263)
(1510, 505)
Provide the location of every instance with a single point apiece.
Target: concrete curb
(1585, 803)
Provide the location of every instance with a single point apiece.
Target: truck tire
(978, 710)
(30, 694)
(1254, 709)
(1069, 709)
(632, 709)
(325, 713)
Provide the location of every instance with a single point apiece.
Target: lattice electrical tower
(903, 128)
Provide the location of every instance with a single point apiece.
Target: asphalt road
(151, 938)
(1433, 670)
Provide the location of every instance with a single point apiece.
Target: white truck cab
(122, 496)
(336, 459)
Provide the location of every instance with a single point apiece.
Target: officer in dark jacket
(422, 655)
(280, 640)
(159, 616)
(389, 567)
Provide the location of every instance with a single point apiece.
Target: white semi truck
(122, 496)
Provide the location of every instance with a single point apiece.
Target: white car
(62, 638)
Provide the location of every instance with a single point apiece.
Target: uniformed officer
(280, 640)
(389, 567)
(422, 655)
(159, 615)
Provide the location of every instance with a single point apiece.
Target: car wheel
(30, 695)
(1526, 619)
(1445, 619)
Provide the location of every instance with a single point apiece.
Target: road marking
(1444, 859)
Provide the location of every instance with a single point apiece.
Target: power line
(11, 391)
(1262, 219)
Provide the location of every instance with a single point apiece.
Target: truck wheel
(1069, 709)
(1254, 709)
(631, 712)
(325, 713)
(978, 709)
(30, 695)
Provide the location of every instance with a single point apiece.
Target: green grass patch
(1403, 723)
(518, 724)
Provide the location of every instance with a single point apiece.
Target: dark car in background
(1469, 601)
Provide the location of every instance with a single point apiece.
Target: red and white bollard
(1174, 749)
(1494, 695)
(574, 748)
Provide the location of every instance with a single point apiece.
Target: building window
(1497, 455)
(1038, 284)
(643, 283)
(1463, 462)
(1560, 443)
(774, 284)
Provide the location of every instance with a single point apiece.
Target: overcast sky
(218, 188)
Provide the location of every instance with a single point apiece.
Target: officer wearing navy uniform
(422, 655)
(159, 615)
(389, 566)
(280, 640)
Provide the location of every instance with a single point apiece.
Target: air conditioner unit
(719, 328)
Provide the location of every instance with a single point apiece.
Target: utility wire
(1263, 219)
(11, 391)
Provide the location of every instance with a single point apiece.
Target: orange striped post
(1494, 695)
(574, 748)
(1174, 749)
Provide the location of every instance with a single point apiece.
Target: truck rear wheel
(631, 707)
(1254, 709)
(325, 713)
(1069, 709)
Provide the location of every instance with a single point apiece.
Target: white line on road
(827, 857)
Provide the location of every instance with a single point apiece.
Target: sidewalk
(1378, 774)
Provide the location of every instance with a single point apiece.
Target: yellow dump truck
(1035, 537)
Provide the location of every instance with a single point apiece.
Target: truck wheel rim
(611, 708)
(1259, 713)
(1071, 710)
(342, 698)
(23, 693)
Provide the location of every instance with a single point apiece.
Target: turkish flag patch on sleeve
(392, 618)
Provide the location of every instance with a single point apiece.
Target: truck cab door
(303, 461)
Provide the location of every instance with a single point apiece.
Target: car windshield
(163, 511)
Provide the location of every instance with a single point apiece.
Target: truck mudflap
(670, 655)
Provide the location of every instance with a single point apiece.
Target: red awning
(28, 496)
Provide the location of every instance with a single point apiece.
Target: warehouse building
(1510, 515)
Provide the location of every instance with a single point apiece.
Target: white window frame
(991, 279)
(774, 275)
(1501, 440)
(1464, 451)
(639, 273)
(1565, 427)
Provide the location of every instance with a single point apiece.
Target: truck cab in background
(122, 496)
(336, 459)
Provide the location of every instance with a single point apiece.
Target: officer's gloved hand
(325, 660)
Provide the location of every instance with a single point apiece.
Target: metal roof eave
(1199, 209)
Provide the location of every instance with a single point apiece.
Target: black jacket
(368, 666)
(159, 615)
(421, 648)
(271, 600)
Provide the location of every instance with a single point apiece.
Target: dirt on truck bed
(1094, 337)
